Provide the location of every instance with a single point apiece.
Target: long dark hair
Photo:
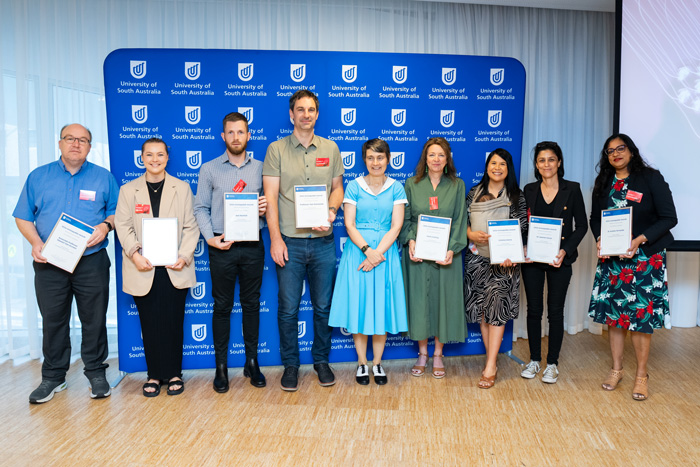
(511, 182)
(548, 146)
(421, 168)
(606, 171)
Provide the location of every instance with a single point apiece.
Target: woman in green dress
(434, 288)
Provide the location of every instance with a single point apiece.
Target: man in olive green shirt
(302, 158)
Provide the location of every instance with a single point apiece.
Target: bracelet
(109, 226)
(364, 248)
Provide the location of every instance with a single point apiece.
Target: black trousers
(162, 316)
(558, 279)
(244, 261)
(55, 289)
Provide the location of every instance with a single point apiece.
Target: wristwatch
(364, 248)
(109, 226)
(335, 210)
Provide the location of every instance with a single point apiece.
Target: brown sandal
(438, 371)
(613, 379)
(487, 382)
(419, 370)
(640, 391)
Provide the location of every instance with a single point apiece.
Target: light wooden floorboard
(411, 421)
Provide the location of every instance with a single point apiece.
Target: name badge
(87, 195)
(322, 161)
(433, 203)
(142, 209)
(634, 196)
(239, 186)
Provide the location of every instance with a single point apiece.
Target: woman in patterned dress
(630, 292)
(492, 291)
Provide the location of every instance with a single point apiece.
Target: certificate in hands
(505, 241)
(311, 206)
(159, 240)
(432, 237)
(67, 242)
(615, 231)
(241, 217)
(544, 239)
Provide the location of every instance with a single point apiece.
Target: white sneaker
(531, 370)
(550, 375)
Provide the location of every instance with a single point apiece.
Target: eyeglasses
(71, 139)
(610, 151)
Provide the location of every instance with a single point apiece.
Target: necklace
(376, 187)
(151, 185)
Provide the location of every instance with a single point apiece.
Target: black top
(542, 208)
(568, 206)
(654, 215)
(155, 191)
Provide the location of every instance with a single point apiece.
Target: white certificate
(505, 241)
(544, 239)
(615, 231)
(310, 206)
(67, 242)
(159, 240)
(241, 217)
(432, 237)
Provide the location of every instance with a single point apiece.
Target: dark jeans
(55, 289)
(244, 261)
(314, 257)
(557, 284)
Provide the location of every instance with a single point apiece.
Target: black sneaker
(45, 391)
(325, 374)
(99, 387)
(290, 379)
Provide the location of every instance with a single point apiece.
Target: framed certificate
(544, 239)
(310, 206)
(432, 237)
(505, 241)
(67, 242)
(241, 217)
(159, 240)
(615, 231)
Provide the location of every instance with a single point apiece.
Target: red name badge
(239, 186)
(433, 203)
(322, 162)
(634, 196)
(142, 209)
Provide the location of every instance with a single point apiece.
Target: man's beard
(233, 151)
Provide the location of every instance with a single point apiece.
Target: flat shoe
(154, 386)
(640, 391)
(173, 390)
(613, 379)
(438, 371)
(487, 382)
(419, 370)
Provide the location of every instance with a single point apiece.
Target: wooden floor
(411, 421)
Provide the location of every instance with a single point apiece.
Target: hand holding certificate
(432, 237)
(311, 206)
(159, 240)
(615, 231)
(67, 242)
(505, 241)
(544, 239)
(241, 217)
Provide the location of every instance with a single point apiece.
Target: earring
(426, 168)
(445, 169)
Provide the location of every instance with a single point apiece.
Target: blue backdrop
(182, 95)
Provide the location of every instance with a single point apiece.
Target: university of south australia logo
(194, 159)
(301, 330)
(197, 292)
(193, 114)
(139, 113)
(348, 159)
(397, 160)
(349, 73)
(199, 332)
(250, 154)
(399, 74)
(137, 68)
(192, 70)
(297, 71)
(398, 117)
(497, 75)
(245, 71)
(345, 332)
(138, 162)
(199, 249)
(343, 241)
(495, 117)
(247, 113)
(348, 116)
(447, 118)
(449, 76)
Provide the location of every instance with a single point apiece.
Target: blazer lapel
(141, 195)
(168, 196)
(562, 198)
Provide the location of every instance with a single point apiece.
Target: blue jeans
(315, 257)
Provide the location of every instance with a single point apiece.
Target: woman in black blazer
(630, 292)
(551, 196)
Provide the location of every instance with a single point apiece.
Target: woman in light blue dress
(369, 298)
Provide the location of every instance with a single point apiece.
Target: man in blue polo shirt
(89, 193)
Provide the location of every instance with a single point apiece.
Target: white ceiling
(588, 5)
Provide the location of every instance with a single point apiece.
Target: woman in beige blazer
(159, 292)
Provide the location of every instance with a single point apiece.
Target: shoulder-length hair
(422, 167)
(606, 171)
(548, 146)
(511, 181)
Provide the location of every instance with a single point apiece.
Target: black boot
(252, 370)
(221, 378)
